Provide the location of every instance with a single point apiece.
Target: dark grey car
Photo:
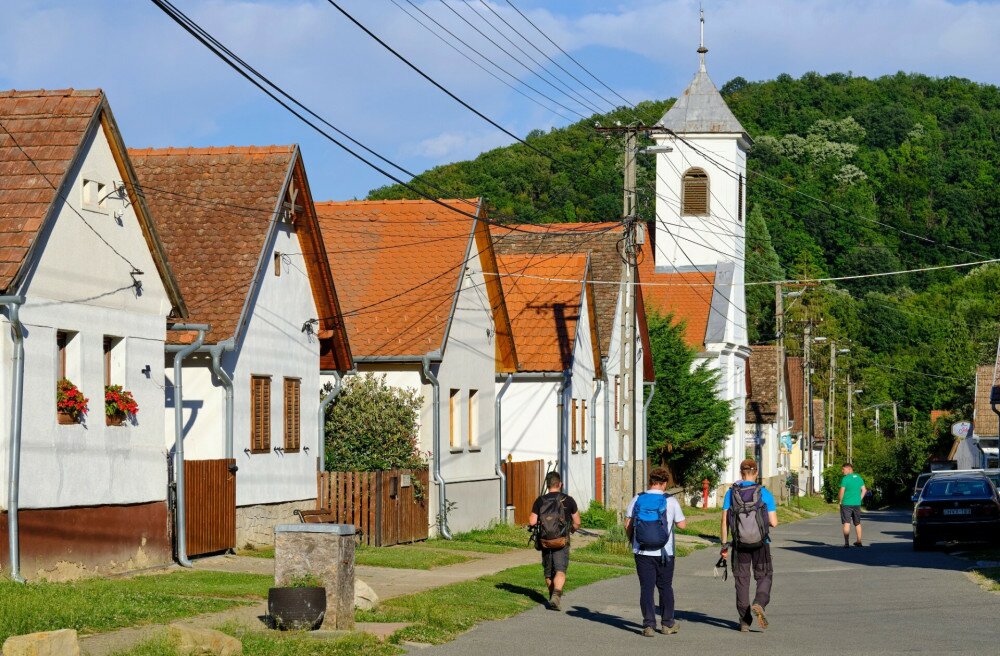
(956, 506)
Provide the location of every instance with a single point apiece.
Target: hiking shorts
(850, 515)
(555, 560)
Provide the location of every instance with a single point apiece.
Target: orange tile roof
(397, 265)
(214, 208)
(687, 296)
(49, 126)
(986, 421)
(543, 313)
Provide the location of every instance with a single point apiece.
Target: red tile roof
(543, 313)
(686, 296)
(42, 135)
(215, 208)
(398, 265)
(986, 424)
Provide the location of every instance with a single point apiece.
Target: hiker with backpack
(748, 512)
(554, 516)
(649, 523)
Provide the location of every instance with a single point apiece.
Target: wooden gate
(210, 498)
(524, 484)
(386, 507)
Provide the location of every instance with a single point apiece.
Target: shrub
(372, 426)
(597, 516)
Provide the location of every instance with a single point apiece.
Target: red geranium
(118, 401)
(70, 399)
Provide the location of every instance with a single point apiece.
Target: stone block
(325, 551)
(364, 597)
(47, 643)
(194, 641)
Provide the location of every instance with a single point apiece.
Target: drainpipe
(645, 427)
(563, 435)
(216, 351)
(13, 304)
(606, 465)
(497, 431)
(180, 515)
(442, 518)
(593, 437)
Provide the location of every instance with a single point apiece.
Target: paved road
(880, 599)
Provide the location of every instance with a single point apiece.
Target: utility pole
(895, 419)
(779, 327)
(807, 418)
(850, 419)
(627, 351)
(878, 420)
(831, 411)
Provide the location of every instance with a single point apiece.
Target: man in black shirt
(557, 516)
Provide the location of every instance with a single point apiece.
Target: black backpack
(748, 520)
(553, 529)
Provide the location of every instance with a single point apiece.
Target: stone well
(325, 551)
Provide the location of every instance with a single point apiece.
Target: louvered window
(260, 414)
(583, 424)
(695, 193)
(739, 201)
(293, 432)
(576, 436)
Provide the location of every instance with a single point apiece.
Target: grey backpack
(748, 522)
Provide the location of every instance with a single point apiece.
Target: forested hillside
(842, 167)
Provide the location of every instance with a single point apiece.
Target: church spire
(701, 43)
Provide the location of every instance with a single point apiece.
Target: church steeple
(702, 50)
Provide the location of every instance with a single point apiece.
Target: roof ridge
(213, 150)
(48, 93)
(395, 200)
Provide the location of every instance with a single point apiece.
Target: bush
(597, 516)
(831, 483)
(372, 426)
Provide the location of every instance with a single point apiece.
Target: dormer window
(694, 193)
(94, 195)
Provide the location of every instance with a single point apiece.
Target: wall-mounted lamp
(309, 327)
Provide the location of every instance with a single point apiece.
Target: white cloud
(451, 146)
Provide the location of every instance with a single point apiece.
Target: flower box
(71, 404)
(66, 418)
(119, 405)
(115, 420)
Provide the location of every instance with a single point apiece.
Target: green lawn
(406, 557)
(97, 605)
(259, 643)
(457, 545)
(257, 552)
(442, 614)
(498, 535)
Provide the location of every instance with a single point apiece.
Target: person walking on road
(748, 513)
(852, 491)
(554, 516)
(649, 523)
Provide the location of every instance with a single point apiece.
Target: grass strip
(503, 535)
(260, 643)
(257, 552)
(406, 557)
(442, 614)
(98, 605)
(474, 547)
(987, 577)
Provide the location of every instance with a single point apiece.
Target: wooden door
(210, 496)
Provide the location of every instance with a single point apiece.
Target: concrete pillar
(325, 551)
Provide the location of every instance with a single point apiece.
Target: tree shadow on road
(530, 593)
(701, 618)
(615, 621)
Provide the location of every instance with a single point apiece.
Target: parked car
(992, 474)
(919, 485)
(956, 506)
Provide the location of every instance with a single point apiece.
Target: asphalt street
(879, 599)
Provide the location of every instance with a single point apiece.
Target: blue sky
(167, 90)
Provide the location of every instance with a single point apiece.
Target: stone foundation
(255, 524)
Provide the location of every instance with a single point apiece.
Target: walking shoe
(847, 545)
(648, 632)
(858, 544)
(554, 601)
(758, 612)
(744, 627)
(670, 630)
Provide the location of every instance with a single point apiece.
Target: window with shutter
(694, 194)
(293, 435)
(739, 201)
(573, 433)
(260, 414)
(583, 424)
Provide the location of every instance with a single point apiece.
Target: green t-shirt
(852, 484)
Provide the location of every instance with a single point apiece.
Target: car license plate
(957, 511)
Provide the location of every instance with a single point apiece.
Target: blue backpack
(649, 517)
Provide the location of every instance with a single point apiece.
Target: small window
(473, 419)
(62, 341)
(618, 384)
(454, 419)
(583, 424)
(739, 201)
(572, 427)
(260, 414)
(277, 264)
(94, 195)
(694, 193)
(293, 433)
(114, 360)
(68, 360)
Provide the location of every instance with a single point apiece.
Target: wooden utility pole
(831, 411)
(850, 419)
(779, 327)
(807, 417)
(895, 419)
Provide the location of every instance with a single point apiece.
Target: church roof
(701, 109)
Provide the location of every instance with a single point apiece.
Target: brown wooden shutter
(576, 441)
(260, 410)
(583, 424)
(293, 435)
(739, 201)
(695, 193)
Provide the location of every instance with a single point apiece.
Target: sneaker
(648, 632)
(554, 601)
(758, 612)
(670, 630)
(847, 545)
(858, 544)
(744, 627)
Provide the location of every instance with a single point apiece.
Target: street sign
(961, 429)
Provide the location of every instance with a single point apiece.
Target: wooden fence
(210, 499)
(386, 507)
(524, 483)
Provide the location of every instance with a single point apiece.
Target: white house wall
(79, 284)
(580, 482)
(274, 345)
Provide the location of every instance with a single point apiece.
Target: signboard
(786, 442)
(961, 429)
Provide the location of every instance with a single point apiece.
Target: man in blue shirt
(746, 519)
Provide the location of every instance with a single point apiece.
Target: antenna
(701, 41)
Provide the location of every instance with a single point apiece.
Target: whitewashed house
(240, 228)
(611, 476)
(86, 294)
(423, 306)
(698, 240)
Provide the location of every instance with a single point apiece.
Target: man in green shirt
(852, 491)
